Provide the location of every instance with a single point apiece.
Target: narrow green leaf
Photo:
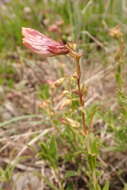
(106, 186)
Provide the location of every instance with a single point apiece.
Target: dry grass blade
(3, 124)
(30, 143)
(18, 166)
(99, 75)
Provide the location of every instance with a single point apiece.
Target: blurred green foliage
(86, 22)
(82, 15)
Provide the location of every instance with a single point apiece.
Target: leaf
(106, 186)
(44, 92)
(53, 148)
(125, 186)
(92, 143)
(48, 151)
(70, 173)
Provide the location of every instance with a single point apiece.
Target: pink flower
(41, 44)
(54, 28)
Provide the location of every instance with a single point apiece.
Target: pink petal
(54, 28)
(41, 44)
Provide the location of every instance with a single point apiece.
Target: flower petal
(41, 44)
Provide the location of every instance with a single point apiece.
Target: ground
(42, 142)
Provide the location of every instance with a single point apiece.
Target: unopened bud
(58, 82)
(71, 122)
(84, 89)
(116, 32)
(64, 103)
(66, 93)
(74, 76)
(44, 104)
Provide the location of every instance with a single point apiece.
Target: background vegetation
(42, 145)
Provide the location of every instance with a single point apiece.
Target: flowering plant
(43, 45)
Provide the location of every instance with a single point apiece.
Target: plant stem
(81, 98)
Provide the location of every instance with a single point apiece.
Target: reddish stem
(85, 130)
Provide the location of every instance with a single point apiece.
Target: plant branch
(81, 97)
